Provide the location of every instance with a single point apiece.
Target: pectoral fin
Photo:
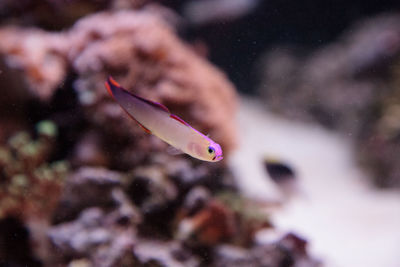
(174, 151)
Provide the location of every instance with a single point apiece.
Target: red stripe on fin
(179, 119)
(144, 128)
(153, 103)
(112, 83)
(109, 89)
(112, 86)
(141, 125)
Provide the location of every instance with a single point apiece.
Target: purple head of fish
(218, 152)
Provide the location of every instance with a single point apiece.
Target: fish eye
(211, 150)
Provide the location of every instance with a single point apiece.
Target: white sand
(347, 222)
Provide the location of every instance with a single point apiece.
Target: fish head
(214, 152)
(206, 150)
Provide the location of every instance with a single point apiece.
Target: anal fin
(141, 125)
(144, 128)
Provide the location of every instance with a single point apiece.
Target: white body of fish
(165, 126)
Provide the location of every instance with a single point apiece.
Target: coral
(124, 199)
(30, 186)
(100, 211)
(144, 56)
(143, 53)
(39, 55)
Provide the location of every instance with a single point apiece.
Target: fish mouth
(218, 158)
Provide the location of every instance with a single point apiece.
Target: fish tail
(112, 86)
(114, 89)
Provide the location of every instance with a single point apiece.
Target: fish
(155, 118)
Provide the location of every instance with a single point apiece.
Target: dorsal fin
(179, 119)
(153, 103)
(112, 83)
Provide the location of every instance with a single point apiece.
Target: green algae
(30, 185)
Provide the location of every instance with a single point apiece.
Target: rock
(196, 199)
(345, 86)
(161, 253)
(150, 189)
(189, 173)
(96, 236)
(290, 250)
(79, 238)
(89, 151)
(212, 224)
(124, 209)
(83, 189)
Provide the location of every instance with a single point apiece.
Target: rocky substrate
(82, 185)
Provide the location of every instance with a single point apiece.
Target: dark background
(236, 45)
